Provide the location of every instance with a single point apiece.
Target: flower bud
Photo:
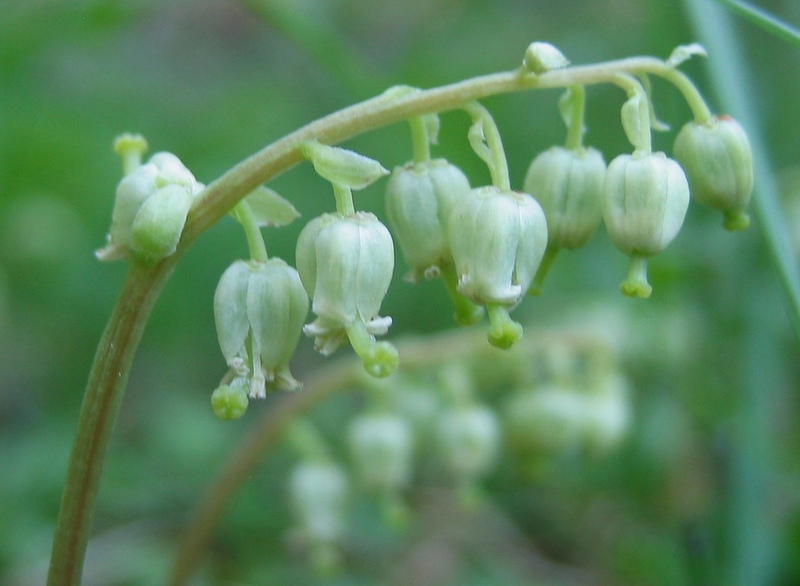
(419, 200)
(318, 491)
(718, 161)
(259, 310)
(150, 209)
(543, 57)
(498, 239)
(568, 184)
(158, 224)
(346, 265)
(381, 447)
(645, 200)
(469, 441)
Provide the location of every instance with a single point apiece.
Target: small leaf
(341, 166)
(432, 126)
(655, 123)
(269, 208)
(685, 52)
(477, 139)
(634, 116)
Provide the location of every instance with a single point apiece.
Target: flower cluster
(490, 244)
(452, 426)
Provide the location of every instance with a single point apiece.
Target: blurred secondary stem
(144, 282)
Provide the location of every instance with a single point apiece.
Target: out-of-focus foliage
(215, 80)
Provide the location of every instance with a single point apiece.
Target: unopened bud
(569, 186)
(645, 200)
(718, 161)
(419, 200)
(543, 57)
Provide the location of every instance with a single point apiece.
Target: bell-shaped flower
(259, 308)
(419, 200)
(318, 495)
(346, 264)
(150, 209)
(498, 238)
(545, 420)
(646, 196)
(381, 445)
(718, 161)
(468, 441)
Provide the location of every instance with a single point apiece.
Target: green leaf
(268, 208)
(765, 20)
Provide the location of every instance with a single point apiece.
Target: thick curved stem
(101, 403)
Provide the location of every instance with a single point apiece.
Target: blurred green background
(704, 490)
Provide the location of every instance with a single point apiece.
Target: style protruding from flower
(259, 309)
(151, 204)
(718, 161)
(646, 196)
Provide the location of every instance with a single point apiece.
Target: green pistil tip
(735, 221)
(229, 402)
(381, 359)
(636, 285)
(503, 331)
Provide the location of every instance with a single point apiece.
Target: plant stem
(144, 283)
(255, 241)
(576, 114)
(488, 145)
(420, 140)
(344, 199)
(101, 403)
